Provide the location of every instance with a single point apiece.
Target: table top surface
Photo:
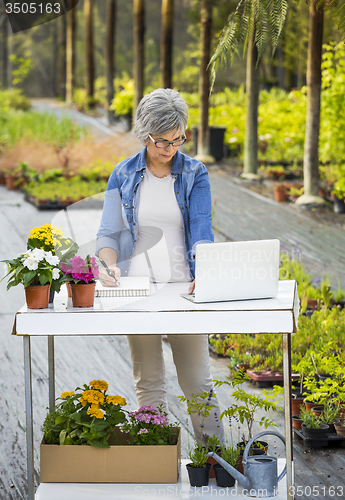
(165, 311)
(168, 297)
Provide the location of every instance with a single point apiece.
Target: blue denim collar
(176, 167)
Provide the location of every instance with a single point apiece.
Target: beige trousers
(191, 358)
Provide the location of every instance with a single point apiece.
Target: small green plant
(122, 104)
(201, 405)
(330, 413)
(212, 443)
(197, 456)
(310, 419)
(230, 453)
(247, 404)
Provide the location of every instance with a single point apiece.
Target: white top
(161, 237)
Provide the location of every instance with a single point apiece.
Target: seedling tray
(267, 378)
(330, 440)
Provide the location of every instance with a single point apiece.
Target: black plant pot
(315, 433)
(339, 205)
(198, 476)
(223, 478)
(257, 448)
(51, 296)
(324, 376)
(216, 141)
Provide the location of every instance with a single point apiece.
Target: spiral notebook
(130, 286)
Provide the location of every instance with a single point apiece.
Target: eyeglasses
(166, 144)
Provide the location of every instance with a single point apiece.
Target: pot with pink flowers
(81, 275)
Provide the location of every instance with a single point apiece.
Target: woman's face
(163, 155)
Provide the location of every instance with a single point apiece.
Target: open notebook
(130, 286)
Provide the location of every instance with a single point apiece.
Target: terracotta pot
(281, 192)
(296, 405)
(312, 303)
(309, 406)
(14, 181)
(339, 427)
(317, 410)
(83, 295)
(2, 179)
(243, 366)
(69, 293)
(297, 422)
(37, 297)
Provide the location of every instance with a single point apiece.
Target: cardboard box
(117, 464)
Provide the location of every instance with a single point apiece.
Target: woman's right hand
(108, 280)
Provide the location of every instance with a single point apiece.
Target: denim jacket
(119, 225)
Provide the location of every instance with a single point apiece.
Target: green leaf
(99, 444)
(62, 436)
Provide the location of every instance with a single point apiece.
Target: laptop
(238, 270)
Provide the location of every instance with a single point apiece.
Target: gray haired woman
(166, 199)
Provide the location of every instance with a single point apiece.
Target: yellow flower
(93, 397)
(116, 400)
(67, 394)
(101, 385)
(83, 401)
(94, 412)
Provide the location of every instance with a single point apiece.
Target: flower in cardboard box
(148, 426)
(86, 416)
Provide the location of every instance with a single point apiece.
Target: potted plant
(339, 426)
(281, 192)
(312, 427)
(81, 275)
(50, 238)
(338, 196)
(297, 421)
(198, 468)
(231, 455)
(329, 415)
(37, 270)
(247, 405)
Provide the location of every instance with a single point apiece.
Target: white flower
(268, 136)
(31, 263)
(261, 137)
(38, 254)
(232, 139)
(51, 259)
(56, 273)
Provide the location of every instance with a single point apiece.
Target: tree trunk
(109, 53)
(311, 145)
(90, 67)
(252, 90)
(204, 82)
(4, 54)
(70, 53)
(167, 43)
(61, 57)
(138, 40)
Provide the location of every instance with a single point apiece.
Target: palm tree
(268, 18)
(167, 43)
(90, 65)
(138, 63)
(203, 153)
(254, 23)
(311, 144)
(109, 52)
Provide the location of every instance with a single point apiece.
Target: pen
(110, 273)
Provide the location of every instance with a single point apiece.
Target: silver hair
(161, 111)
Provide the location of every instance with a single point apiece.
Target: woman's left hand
(191, 288)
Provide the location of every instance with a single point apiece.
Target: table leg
(29, 426)
(288, 413)
(51, 372)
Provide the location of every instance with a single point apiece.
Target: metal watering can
(260, 479)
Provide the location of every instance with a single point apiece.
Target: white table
(163, 312)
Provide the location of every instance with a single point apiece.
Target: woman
(157, 208)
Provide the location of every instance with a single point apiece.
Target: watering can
(260, 479)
